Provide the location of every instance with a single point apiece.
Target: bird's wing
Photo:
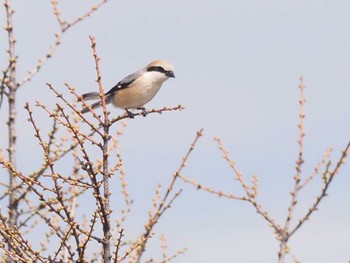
(124, 83)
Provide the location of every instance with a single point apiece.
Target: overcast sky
(237, 66)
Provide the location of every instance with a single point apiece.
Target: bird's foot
(130, 114)
(144, 111)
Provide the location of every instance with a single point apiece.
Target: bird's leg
(144, 111)
(130, 114)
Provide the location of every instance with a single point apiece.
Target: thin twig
(250, 195)
(64, 26)
(117, 246)
(284, 235)
(163, 205)
(323, 194)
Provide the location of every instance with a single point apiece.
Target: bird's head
(161, 70)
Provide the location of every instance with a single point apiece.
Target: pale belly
(131, 98)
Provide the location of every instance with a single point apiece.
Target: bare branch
(250, 195)
(297, 178)
(328, 178)
(164, 203)
(64, 26)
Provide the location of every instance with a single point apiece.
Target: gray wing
(125, 82)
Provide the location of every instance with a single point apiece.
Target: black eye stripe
(157, 68)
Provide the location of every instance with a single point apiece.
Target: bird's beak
(170, 74)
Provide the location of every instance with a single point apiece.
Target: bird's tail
(94, 96)
(91, 96)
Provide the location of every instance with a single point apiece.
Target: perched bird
(135, 90)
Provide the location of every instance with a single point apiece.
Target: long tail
(91, 96)
(94, 96)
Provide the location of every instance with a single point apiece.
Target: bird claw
(144, 111)
(130, 114)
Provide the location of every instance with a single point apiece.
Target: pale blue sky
(237, 66)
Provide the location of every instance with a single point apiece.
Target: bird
(135, 90)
